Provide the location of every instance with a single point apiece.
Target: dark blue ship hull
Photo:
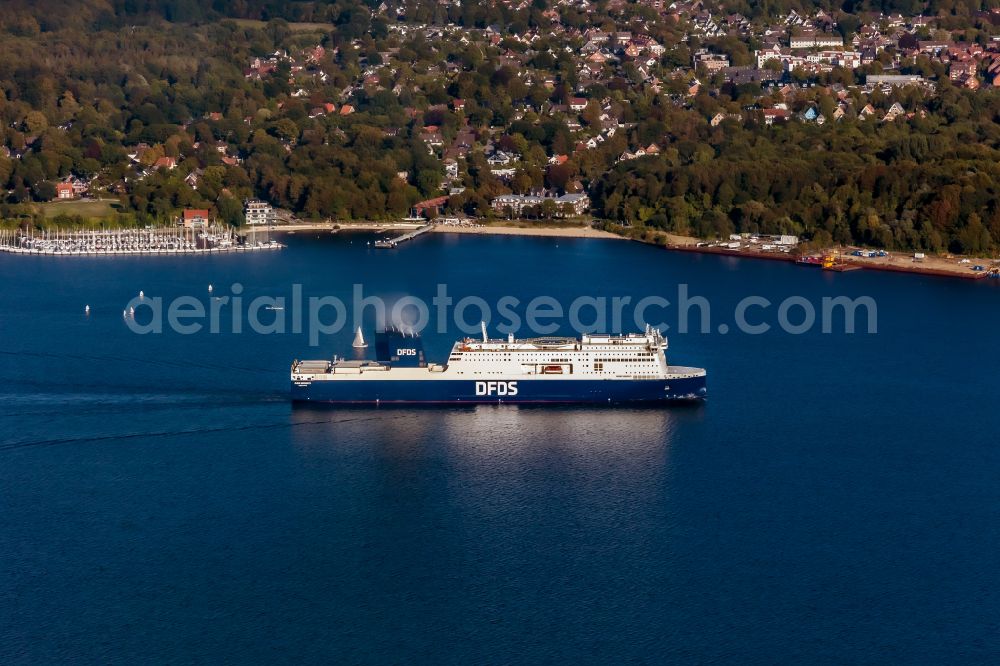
(522, 391)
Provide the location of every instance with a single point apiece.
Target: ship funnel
(395, 348)
(359, 340)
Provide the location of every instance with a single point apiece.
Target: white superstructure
(591, 357)
(633, 356)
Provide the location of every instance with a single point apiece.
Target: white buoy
(359, 340)
(86, 309)
(141, 295)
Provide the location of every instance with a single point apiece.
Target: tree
(35, 122)
(549, 208)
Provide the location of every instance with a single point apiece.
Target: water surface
(836, 500)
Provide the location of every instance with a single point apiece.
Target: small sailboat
(141, 295)
(86, 309)
(125, 314)
(131, 312)
(359, 340)
(209, 288)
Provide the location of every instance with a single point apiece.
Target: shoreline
(497, 230)
(931, 266)
(893, 262)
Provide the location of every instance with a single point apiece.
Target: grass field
(85, 208)
(294, 27)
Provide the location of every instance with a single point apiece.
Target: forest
(112, 91)
(931, 183)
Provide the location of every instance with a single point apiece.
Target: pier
(395, 242)
(149, 241)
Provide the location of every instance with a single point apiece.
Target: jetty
(126, 241)
(388, 243)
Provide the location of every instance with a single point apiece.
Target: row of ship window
(457, 357)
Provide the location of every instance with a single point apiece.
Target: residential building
(257, 212)
(894, 79)
(192, 218)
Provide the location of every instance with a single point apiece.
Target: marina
(148, 241)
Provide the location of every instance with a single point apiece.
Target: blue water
(836, 500)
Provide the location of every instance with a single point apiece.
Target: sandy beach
(559, 232)
(346, 226)
(508, 230)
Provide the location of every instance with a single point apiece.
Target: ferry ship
(613, 369)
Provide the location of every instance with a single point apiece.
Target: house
(192, 178)
(257, 212)
(712, 62)
(812, 39)
(775, 52)
(432, 139)
(962, 70)
(972, 83)
(933, 47)
(346, 110)
(192, 218)
(167, 163)
(895, 111)
(500, 158)
(515, 203)
(429, 208)
(775, 115)
(64, 191)
(894, 80)
(79, 186)
(576, 203)
(577, 104)
(504, 173)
